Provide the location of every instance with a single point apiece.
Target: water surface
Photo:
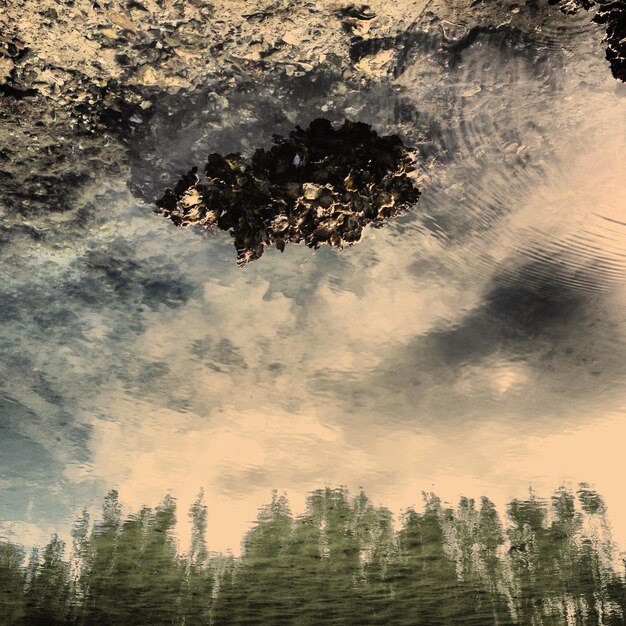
(474, 346)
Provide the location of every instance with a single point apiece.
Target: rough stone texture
(319, 185)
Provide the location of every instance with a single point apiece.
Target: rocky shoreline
(137, 90)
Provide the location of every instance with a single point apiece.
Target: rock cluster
(320, 185)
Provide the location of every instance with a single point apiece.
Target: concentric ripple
(530, 139)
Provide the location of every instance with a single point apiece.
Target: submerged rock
(320, 185)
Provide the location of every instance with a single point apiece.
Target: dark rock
(15, 92)
(363, 12)
(613, 15)
(320, 185)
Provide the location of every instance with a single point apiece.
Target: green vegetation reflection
(343, 561)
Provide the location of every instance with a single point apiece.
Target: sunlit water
(475, 346)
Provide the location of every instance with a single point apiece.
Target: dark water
(474, 346)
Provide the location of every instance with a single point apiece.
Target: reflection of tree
(427, 577)
(529, 566)
(96, 578)
(198, 576)
(489, 541)
(227, 600)
(340, 562)
(78, 561)
(12, 579)
(339, 548)
(161, 569)
(126, 601)
(475, 539)
(47, 593)
(263, 577)
(593, 572)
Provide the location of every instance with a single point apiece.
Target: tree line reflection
(343, 561)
